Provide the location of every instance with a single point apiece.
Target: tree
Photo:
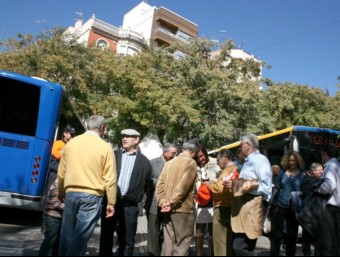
(213, 98)
(220, 90)
(291, 104)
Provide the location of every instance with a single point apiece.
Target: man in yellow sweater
(86, 171)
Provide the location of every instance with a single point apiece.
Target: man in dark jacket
(134, 175)
(312, 212)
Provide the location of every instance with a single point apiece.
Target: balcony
(118, 33)
(168, 36)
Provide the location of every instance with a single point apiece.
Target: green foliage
(290, 104)
(212, 97)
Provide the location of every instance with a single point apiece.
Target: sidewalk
(140, 243)
(262, 247)
(24, 239)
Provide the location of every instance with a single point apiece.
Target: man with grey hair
(153, 213)
(175, 196)
(254, 186)
(87, 170)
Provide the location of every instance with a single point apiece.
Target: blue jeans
(80, 216)
(50, 245)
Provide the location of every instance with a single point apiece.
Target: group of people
(233, 217)
(96, 183)
(310, 199)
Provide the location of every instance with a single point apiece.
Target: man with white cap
(134, 174)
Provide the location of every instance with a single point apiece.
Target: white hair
(94, 122)
(251, 139)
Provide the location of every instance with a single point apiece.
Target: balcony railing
(167, 32)
(118, 32)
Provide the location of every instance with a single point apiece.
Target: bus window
(68, 116)
(18, 107)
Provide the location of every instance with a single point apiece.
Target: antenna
(217, 37)
(80, 15)
(241, 46)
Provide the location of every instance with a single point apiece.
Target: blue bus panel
(29, 111)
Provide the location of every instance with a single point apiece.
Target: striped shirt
(128, 161)
(53, 206)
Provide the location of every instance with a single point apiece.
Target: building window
(132, 51)
(102, 44)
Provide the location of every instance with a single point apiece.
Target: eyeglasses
(127, 136)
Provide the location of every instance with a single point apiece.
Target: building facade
(240, 55)
(160, 26)
(98, 33)
(143, 26)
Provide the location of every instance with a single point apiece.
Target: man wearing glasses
(134, 175)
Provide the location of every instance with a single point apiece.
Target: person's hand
(207, 183)
(166, 207)
(61, 196)
(110, 210)
(228, 184)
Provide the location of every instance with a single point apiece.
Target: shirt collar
(250, 155)
(133, 153)
(92, 132)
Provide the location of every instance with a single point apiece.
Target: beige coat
(246, 209)
(221, 196)
(176, 183)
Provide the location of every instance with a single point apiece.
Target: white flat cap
(130, 132)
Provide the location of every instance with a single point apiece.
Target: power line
(295, 36)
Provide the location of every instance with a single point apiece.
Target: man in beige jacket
(175, 196)
(222, 233)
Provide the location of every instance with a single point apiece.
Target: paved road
(20, 236)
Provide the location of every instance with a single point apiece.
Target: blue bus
(31, 113)
(306, 140)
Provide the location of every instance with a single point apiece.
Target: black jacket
(141, 178)
(313, 213)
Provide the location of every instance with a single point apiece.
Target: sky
(298, 39)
